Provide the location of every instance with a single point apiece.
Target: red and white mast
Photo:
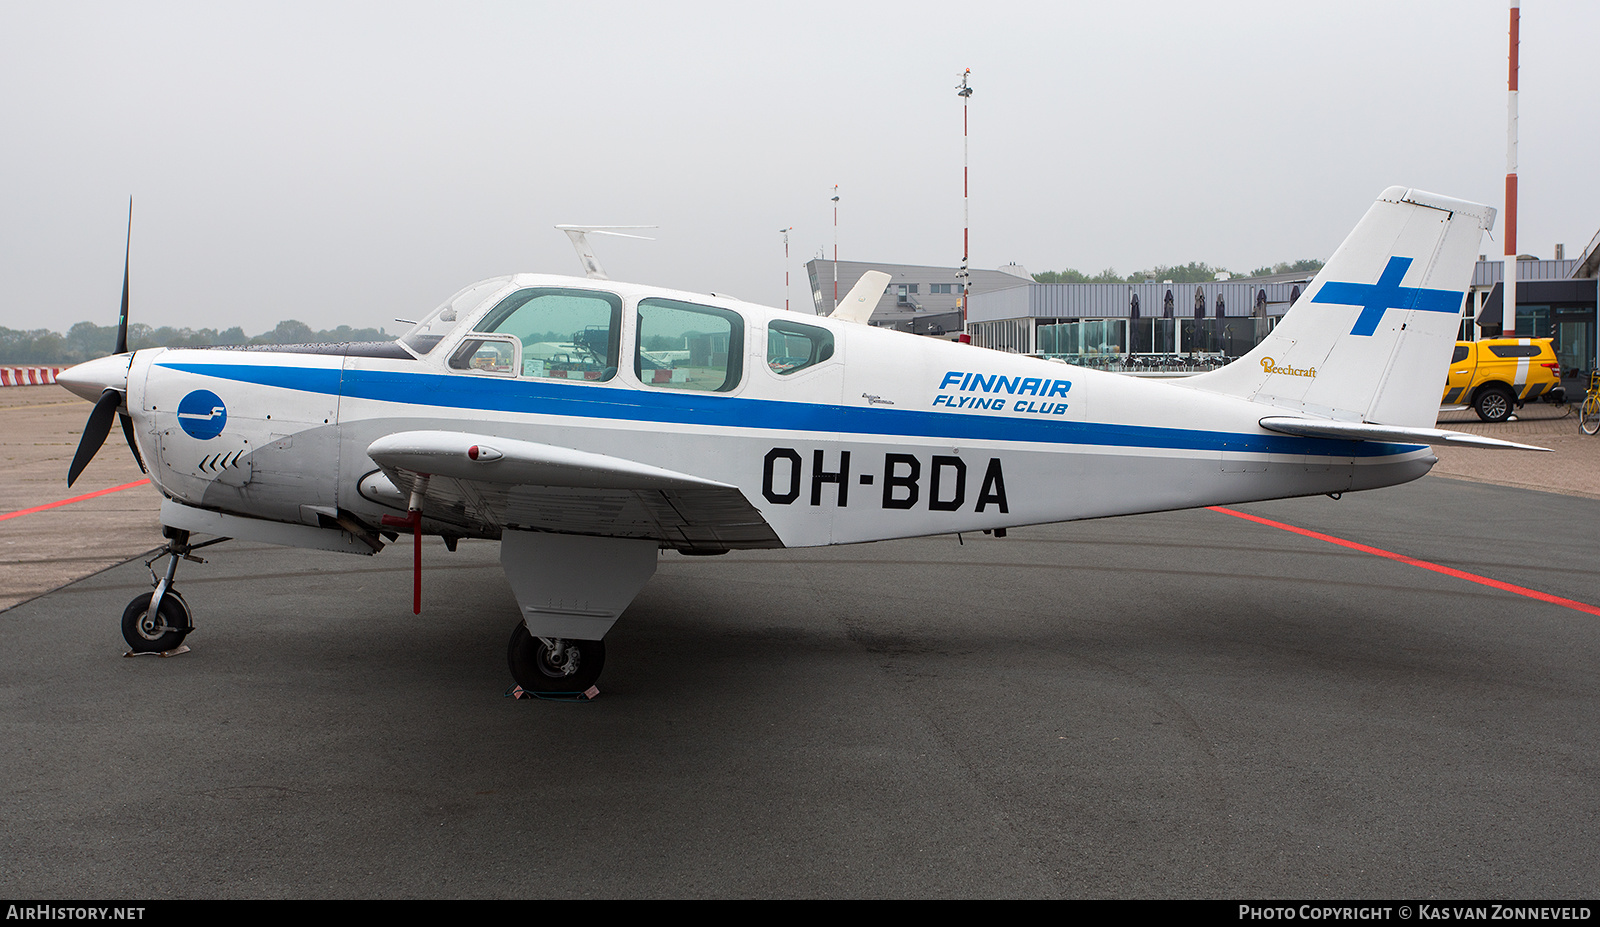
(1508, 303)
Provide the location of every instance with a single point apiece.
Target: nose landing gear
(157, 622)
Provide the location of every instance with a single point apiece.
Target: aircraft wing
(482, 480)
(1398, 434)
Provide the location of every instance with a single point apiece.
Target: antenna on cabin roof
(580, 241)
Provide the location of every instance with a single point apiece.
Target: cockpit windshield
(426, 334)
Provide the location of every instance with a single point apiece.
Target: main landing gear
(158, 621)
(570, 588)
(550, 665)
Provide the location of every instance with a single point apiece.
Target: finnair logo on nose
(202, 414)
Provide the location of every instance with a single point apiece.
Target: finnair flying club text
(1002, 393)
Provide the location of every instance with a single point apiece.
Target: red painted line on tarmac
(1413, 561)
(61, 502)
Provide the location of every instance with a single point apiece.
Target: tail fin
(1370, 339)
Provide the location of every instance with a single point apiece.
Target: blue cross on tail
(1377, 298)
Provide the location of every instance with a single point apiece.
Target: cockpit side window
(566, 334)
(499, 355)
(687, 346)
(792, 347)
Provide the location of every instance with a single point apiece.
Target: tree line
(86, 340)
(1192, 272)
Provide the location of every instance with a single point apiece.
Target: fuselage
(887, 435)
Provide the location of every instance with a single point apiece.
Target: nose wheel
(158, 621)
(160, 632)
(554, 665)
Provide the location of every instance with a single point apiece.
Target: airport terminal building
(921, 299)
(1100, 324)
(1555, 299)
(1120, 326)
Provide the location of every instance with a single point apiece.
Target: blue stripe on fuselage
(545, 397)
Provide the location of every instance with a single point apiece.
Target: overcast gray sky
(354, 162)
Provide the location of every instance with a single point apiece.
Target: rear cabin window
(566, 334)
(1514, 350)
(793, 347)
(1461, 353)
(688, 347)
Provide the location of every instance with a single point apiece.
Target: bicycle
(1589, 415)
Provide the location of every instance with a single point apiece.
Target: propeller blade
(122, 320)
(127, 432)
(94, 432)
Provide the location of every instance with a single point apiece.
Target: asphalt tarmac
(39, 431)
(1185, 705)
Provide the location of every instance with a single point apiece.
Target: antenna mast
(580, 241)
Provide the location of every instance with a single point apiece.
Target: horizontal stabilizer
(1398, 434)
(858, 304)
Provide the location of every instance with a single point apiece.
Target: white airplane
(538, 411)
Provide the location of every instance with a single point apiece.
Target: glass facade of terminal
(1085, 339)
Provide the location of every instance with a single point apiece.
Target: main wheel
(147, 635)
(1589, 418)
(1494, 404)
(535, 668)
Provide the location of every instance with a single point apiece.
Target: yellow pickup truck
(1496, 375)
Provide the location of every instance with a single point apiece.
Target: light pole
(835, 246)
(786, 266)
(965, 93)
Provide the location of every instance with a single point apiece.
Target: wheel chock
(180, 649)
